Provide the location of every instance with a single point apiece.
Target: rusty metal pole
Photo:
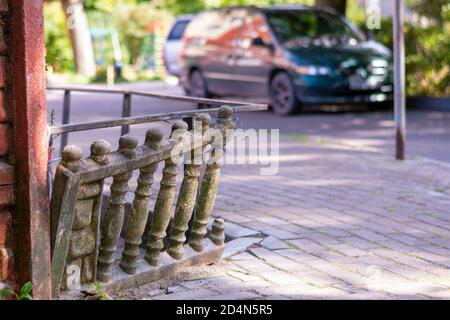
(66, 119)
(126, 112)
(399, 80)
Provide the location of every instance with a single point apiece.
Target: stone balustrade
(85, 244)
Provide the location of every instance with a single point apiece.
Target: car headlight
(312, 70)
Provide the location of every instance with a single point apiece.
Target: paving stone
(238, 245)
(366, 295)
(443, 294)
(244, 276)
(279, 277)
(340, 224)
(255, 265)
(187, 295)
(274, 297)
(323, 239)
(234, 231)
(348, 250)
(274, 259)
(368, 235)
(280, 233)
(242, 295)
(297, 255)
(274, 243)
(271, 220)
(242, 256)
(360, 243)
(308, 246)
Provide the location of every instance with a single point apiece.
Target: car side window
(220, 27)
(178, 30)
(254, 27)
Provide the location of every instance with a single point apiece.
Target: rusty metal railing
(127, 119)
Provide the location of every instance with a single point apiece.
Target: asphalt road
(428, 133)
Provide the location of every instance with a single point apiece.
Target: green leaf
(26, 290)
(6, 293)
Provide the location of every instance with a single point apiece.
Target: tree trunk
(337, 5)
(80, 37)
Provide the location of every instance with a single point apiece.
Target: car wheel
(198, 88)
(282, 95)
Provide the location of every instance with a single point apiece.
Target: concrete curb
(429, 103)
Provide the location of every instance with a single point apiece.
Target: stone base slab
(146, 273)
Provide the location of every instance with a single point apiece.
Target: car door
(219, 49)
(254, 55)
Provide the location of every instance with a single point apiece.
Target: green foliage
(132, 22)
(59, 53)
(179, 7)
(436, 10)
(426, 49)
(101, 293)
(23, 294)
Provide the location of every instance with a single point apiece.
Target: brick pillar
(24, 203)
(6, 170)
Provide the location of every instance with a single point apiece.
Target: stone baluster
(114, 215)
(210, 182)
(139, 212)
(187, 196)
(217, 232)
(164, 202)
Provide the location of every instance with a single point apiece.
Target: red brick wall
(6, 169)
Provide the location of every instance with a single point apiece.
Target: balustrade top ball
(100, 148)
(180, 125)
(128, 142)
(225, 112)
(72, 153)
(204, 118)
(153, 135)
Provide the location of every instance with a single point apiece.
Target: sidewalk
(337, 222)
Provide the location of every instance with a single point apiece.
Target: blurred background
(118, 41)
(126, 44)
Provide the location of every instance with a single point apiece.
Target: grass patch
(299, 137)
(440, 190)
(293, 246)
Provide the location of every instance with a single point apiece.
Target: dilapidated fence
(127, 108)
(87, 246)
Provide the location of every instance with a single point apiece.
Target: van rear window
(178, 30)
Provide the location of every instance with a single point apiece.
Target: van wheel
(198, 88)
(282, 94)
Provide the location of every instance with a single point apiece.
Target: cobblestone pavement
(337, 222)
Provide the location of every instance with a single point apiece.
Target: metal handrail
(143, 119)
(156, 95)
(127, 119)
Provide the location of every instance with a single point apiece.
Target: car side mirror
(370, 35)
(259, 42)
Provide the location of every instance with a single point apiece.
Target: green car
(289, 55)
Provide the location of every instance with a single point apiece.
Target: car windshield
(311, 28)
